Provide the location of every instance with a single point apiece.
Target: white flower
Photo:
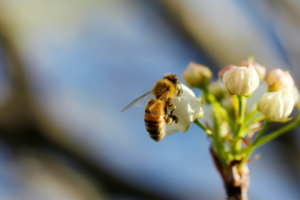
(278, 79)
(277, 106)
(188, 109)
(187, 92)
(241, 80)
(196, 75)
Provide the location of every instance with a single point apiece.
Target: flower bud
(276, 106)
(278, 79)
(196, 75)
(241, 80)
(261, 71)
(225, 69)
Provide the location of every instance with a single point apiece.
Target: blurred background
(68, 67)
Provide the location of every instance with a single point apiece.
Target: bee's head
(175, 80)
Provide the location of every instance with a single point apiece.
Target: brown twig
(236, 181)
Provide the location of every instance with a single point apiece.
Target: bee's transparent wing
(140, 102)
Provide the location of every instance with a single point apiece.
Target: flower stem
(261, 132)
(217, 107)
(242, 108)
(252, 147)
(259, 118)
(206, 130)
(240, 120)
(250, 116)
(276, 133)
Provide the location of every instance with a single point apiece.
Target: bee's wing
(140, 102)
(163, 97)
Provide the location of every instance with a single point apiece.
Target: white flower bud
(261, 70)
(277, 106)
(278, 79)
(196, 75)
(241, 80)
(188, 109)
(223, 70)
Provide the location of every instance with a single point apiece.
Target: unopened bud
(261, 70)
(196, 75)
(225, 69)
(278, 79)
(241, 80)
(277, 106)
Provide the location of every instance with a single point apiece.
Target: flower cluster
(234, 129)
(229, 124)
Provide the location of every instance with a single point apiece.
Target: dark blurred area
(67, 68)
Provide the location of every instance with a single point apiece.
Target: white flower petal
(175, 127)
(187, 92)
(208, 110)
(188, 109)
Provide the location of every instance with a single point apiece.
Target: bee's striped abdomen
(154, 119)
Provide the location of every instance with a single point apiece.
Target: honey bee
(156, 112)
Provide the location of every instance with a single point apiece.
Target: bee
(156, 112)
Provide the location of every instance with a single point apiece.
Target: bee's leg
(168, 119)
(172, 107)
(166, 110)
(166, 114)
